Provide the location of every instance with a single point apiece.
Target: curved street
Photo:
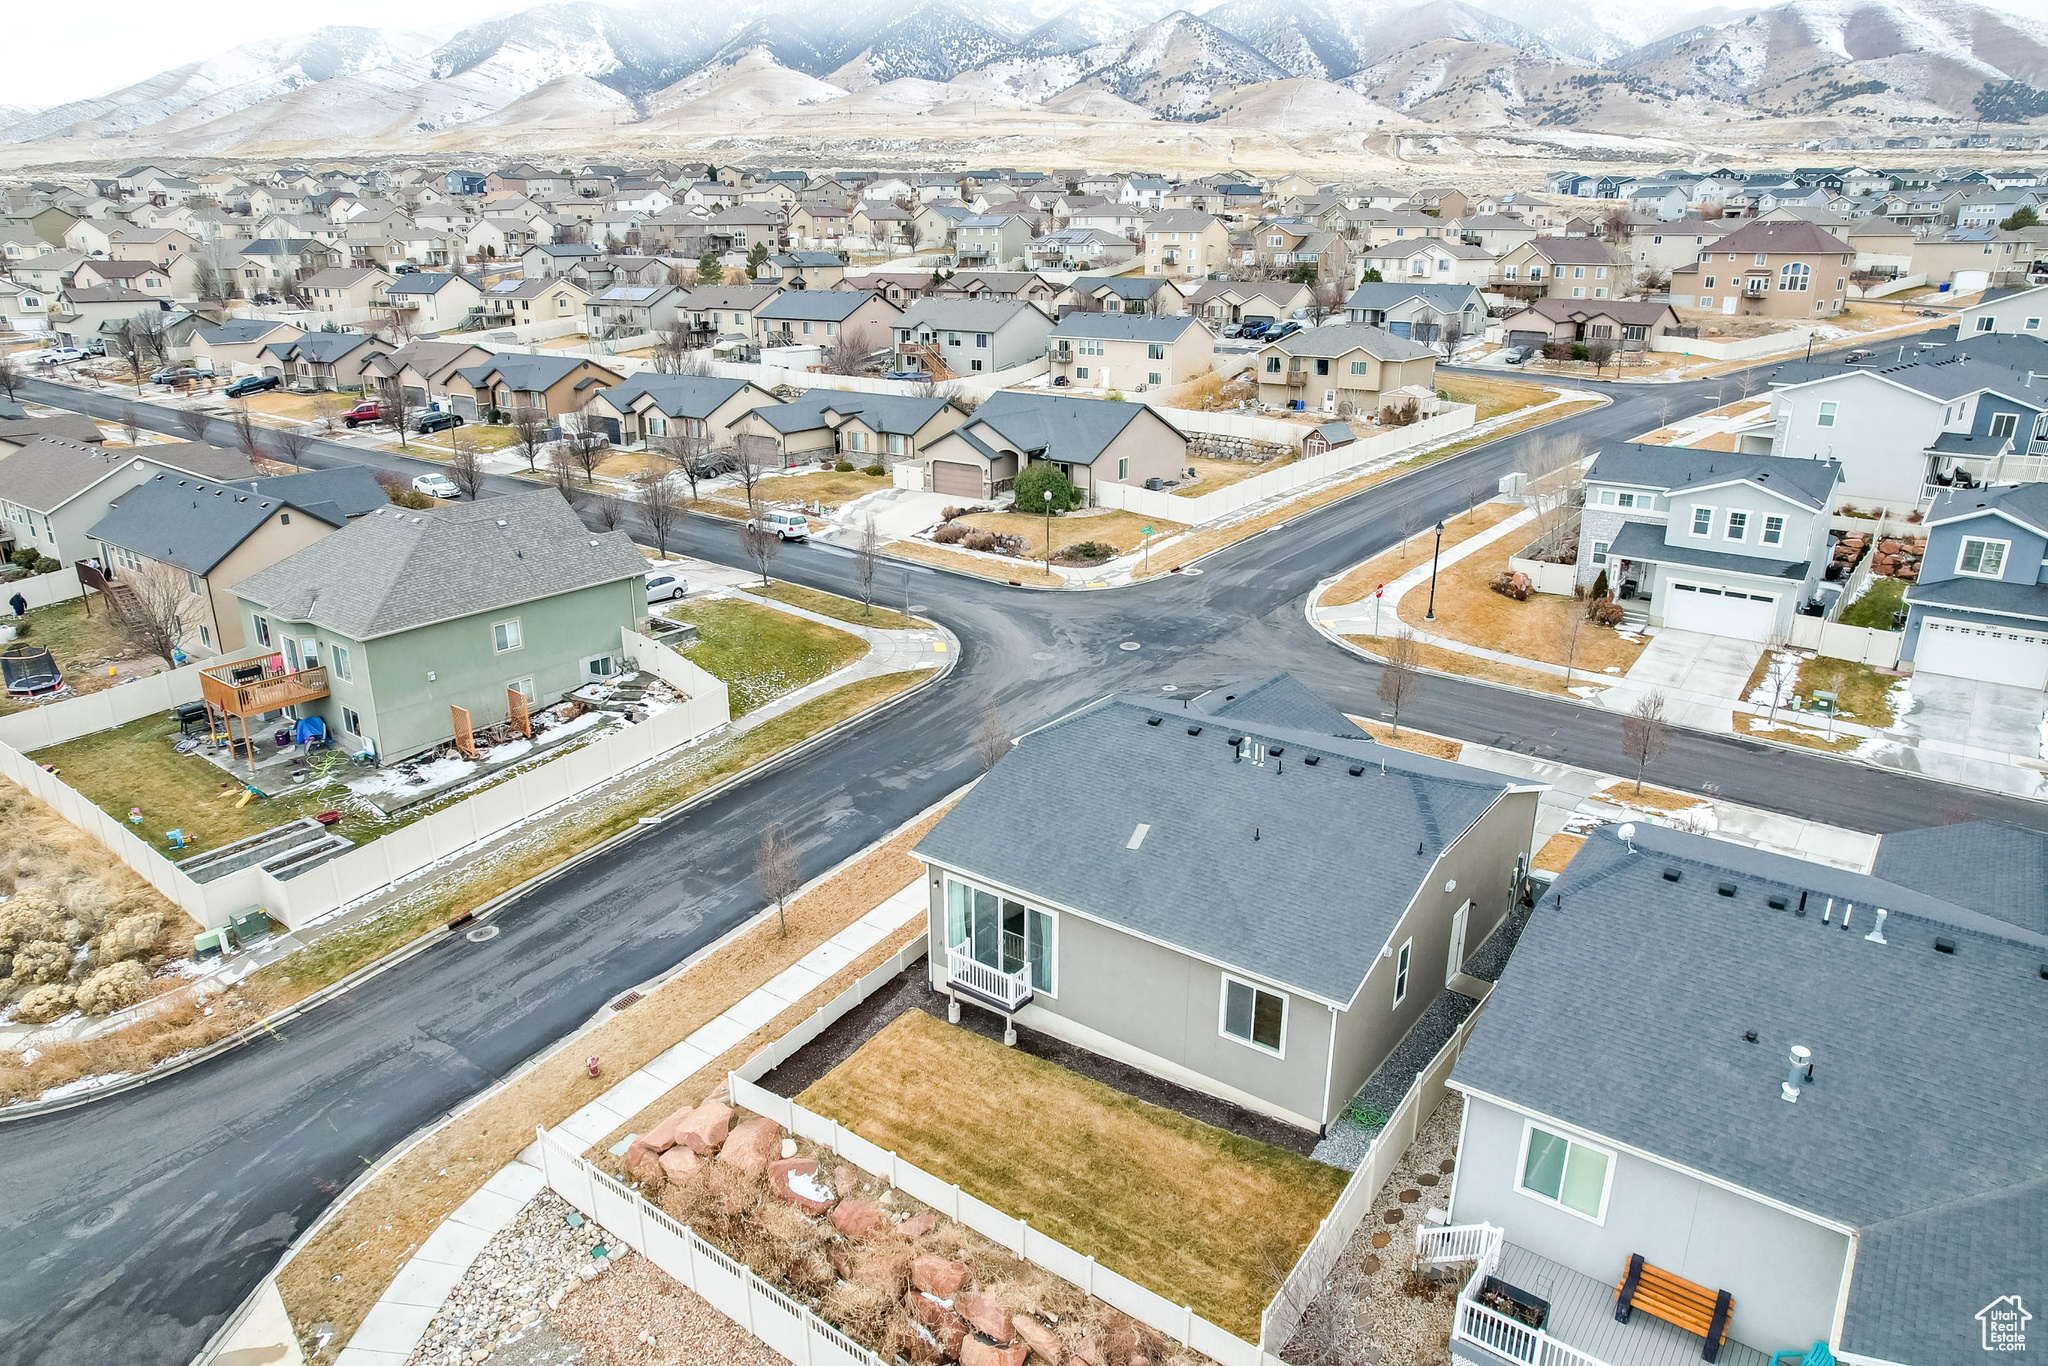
(135, 1225)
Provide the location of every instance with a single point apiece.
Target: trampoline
(29, 670)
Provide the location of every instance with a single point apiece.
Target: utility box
(1824, 703)
(250, 928)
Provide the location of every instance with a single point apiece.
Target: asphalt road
(131, 1227)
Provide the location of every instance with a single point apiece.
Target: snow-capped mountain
(934, 42)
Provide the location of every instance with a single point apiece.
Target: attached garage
(1401, 329)
(1716, 610)
(2016, 656)
(957, 478)
(1527, 338)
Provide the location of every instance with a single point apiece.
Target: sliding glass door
(1000, 932)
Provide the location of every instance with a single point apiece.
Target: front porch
(1579, 1328)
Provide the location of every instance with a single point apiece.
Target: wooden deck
(1582, 1316)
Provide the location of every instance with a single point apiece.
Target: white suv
(788, 526)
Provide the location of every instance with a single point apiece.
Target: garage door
(1716, 611)
(1527, 338)
(1400, 329)
(951, 476)
(1990, 654)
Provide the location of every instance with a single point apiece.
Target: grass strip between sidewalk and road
(876, 616)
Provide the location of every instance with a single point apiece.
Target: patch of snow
(810, 1187)
(82, 1085)
(1610, 669)
(1781, 682)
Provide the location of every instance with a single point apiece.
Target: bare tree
(326, 414)
(11, 374)
(529, 433)
(867, 562)
(207, 281)
(1400, 672)
(778, 870)
(607, 509)
(991, 736)
(126, 345)
(465, 470)
(1325, 301)
(131, 423)
(760, 545)
(158, 609)
(687, 452)
(245, 433)
(585, 433)
(659, 506)
(395, 405)
(1570, 628)
(1645, 734)
(293, 443)
(193, 422)
(1477, 487)
(848, 352)
(671, 346)
(1600, 352)
(562, 472)
(754, 453)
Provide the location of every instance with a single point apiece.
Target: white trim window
(1702, 521)
(1003, 933)
(1738, 526)
(1573, 1176)
(1404, 960)
(1600, 549)
(1982, 558)
(505, 636)
(338, 661)
(1828, 408)
(1774, 531)
(2004, 426)
(1254, 1016)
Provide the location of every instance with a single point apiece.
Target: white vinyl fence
(42, 590)
(1311, 469)
(370, 867)
(1861, 644)
(1776, 343)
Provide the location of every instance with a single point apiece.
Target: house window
(262, 631)
(1255, 1016)
(1986, 324)
(309, 651)
(524, 687)
(1702, 521)
(1774, 530)
(1001, 933)
(350, 722)
(1983, 559)
(1123, 468)
(1560, 1171)
(505, 636)
(1402, 961)
(1272, 365)
(1827, 414)
(1738, 526)
(1708, 283)
(1154, 377)
(1322, 366)
(1794, 275)
(1080, 372)
(2003, 425)
(205, 638)
(1155, 352)
(339, 662)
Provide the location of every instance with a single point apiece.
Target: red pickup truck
(369, 410)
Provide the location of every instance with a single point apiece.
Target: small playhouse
(29, 670)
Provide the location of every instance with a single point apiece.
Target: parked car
(1233, 330)
(715, 463)
(405, 270)
(436, 422)
(787, 526)
(60, 355)
(264, 300)
(1254, 330)
(369, 410)
(179, 374)
(436, 486)
(912, 375)
(666, 587)
(252, 384)
(94, 347)
(1275, 333)
(1515, 355)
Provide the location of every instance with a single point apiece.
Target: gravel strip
(1351, 1137)
(1491, 958)
(520, 1275)
(638, 1315)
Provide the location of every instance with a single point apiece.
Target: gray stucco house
(1632, 1089)
(970, 336)
(1232, 889)
(1708, 541)
(1980, 608)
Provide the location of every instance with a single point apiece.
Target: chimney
(1798, 1071)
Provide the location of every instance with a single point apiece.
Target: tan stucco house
(1788, 270)
(1128, 350)
(1093, 441)
(1326, 367)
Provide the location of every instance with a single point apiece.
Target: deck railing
(1474, 1322)
(1006, 989)
(231, 688)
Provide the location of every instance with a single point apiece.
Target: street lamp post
(1430, 615)
(1048, 533)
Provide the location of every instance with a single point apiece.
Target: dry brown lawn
(1794, 728)
(1182, 1208)
(1415, 741)
(1558, 851)
(833, 488)
(1120, 529)
(1493, 397)
(832, 605)
(627, 464)
(1656, 800)
(1018, 571)
(1362, 582)
(1468, 610)
(338, 1275)
(84, 639)
(1216, 474)
(1451, 662)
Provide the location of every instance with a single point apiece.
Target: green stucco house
(409, 613)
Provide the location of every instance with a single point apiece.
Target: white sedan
(666, 587)
(436, 486)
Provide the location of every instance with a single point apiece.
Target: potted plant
(1514, 1302)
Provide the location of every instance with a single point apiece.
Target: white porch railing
(1479, 1325)
(1006, 989)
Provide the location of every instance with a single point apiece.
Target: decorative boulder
(796, 1180)
(858, 1219)
(705, 1127)
(942, 1323)
(987, 1317)
(752, 1145)
(979, 1351)
(938, 1277)
(643, 1164)
(680, 1164)
(917, 1225)
(1038, 1337)
(662, 1136)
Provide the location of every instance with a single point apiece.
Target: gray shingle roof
(422, 282)
(240, 331)
(1989, 866)
(1337, 339)
(1443, 298)
(48, 473)
(1943, 380)
(350, 490)
(2025, 503)
(965, 315)
(325, 348)
(1167, 328)
(1964, 594)
(395, 569)
(522, 371)
(191, 523)
(675, 395)
(815, 305)
(1070, 430)
(1920, 1129)
(1809, 482)
(1199, 881)
(1645, 541)
(903, 414)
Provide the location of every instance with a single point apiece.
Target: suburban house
(1662, 247)
(431, 301)
(554, 385)
(1624, 324)
(551, 298)
(1979, 608)
(1079, 249)
(1561, 267)
(804, 269)
(815, 317)
(867, 429)
(1789, 269)
(53, 492)
(400, 616)
(1185, 244)
(239, 343)
(1128, 350)
(1420, 312)
(1906, 430)
(323, 360)
(726, 312)
(549, 259)
(1326, 367)
(969, 336)
(423, 369)
(1093, 441)
(144, 277)
(629, 310)
(651, 407)
(1221, 303)
(1434, 260)
(1790, 1027)
(216, 535)
(1136, 914)
(345, 290)
(2018, 310)
(1708, 541)
(992, 239)
(99, 311)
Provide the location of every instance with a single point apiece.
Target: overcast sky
(132, 40)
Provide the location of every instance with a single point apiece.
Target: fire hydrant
(593, 1065)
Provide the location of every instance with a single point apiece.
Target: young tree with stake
(1645, 734)
(1400, 673)
(659, 506)
(867, 563)
(778, 870)
(465, 470)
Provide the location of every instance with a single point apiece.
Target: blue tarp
(311, 727)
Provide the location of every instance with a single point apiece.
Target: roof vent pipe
(1798, 1071)
(1876, 935)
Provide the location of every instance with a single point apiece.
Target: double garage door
(957, 478)
(1989, 654)
(1714, 610)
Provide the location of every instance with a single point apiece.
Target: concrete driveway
(898, 513)
(1993, 717)
(1685, 661)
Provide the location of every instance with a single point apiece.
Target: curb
(253, 1033)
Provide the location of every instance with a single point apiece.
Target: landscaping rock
(1039, 1338)
(662, 1136)
(705, 1127)
(987, 1316)
(977, 1350)
(858, 1219)
(643, 1164)
(938, 1277)
(917, 1225)
(845, 1180)
(804, 1172)
(1087, 1351)
(680, 1164)
(752, 1145)
(942, 1323)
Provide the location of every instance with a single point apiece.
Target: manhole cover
(919, 607)
(1190, 571)
(1168, 687)
(1128, 645)
(482, 933)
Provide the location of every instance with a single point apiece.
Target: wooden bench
(1675, 1300)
